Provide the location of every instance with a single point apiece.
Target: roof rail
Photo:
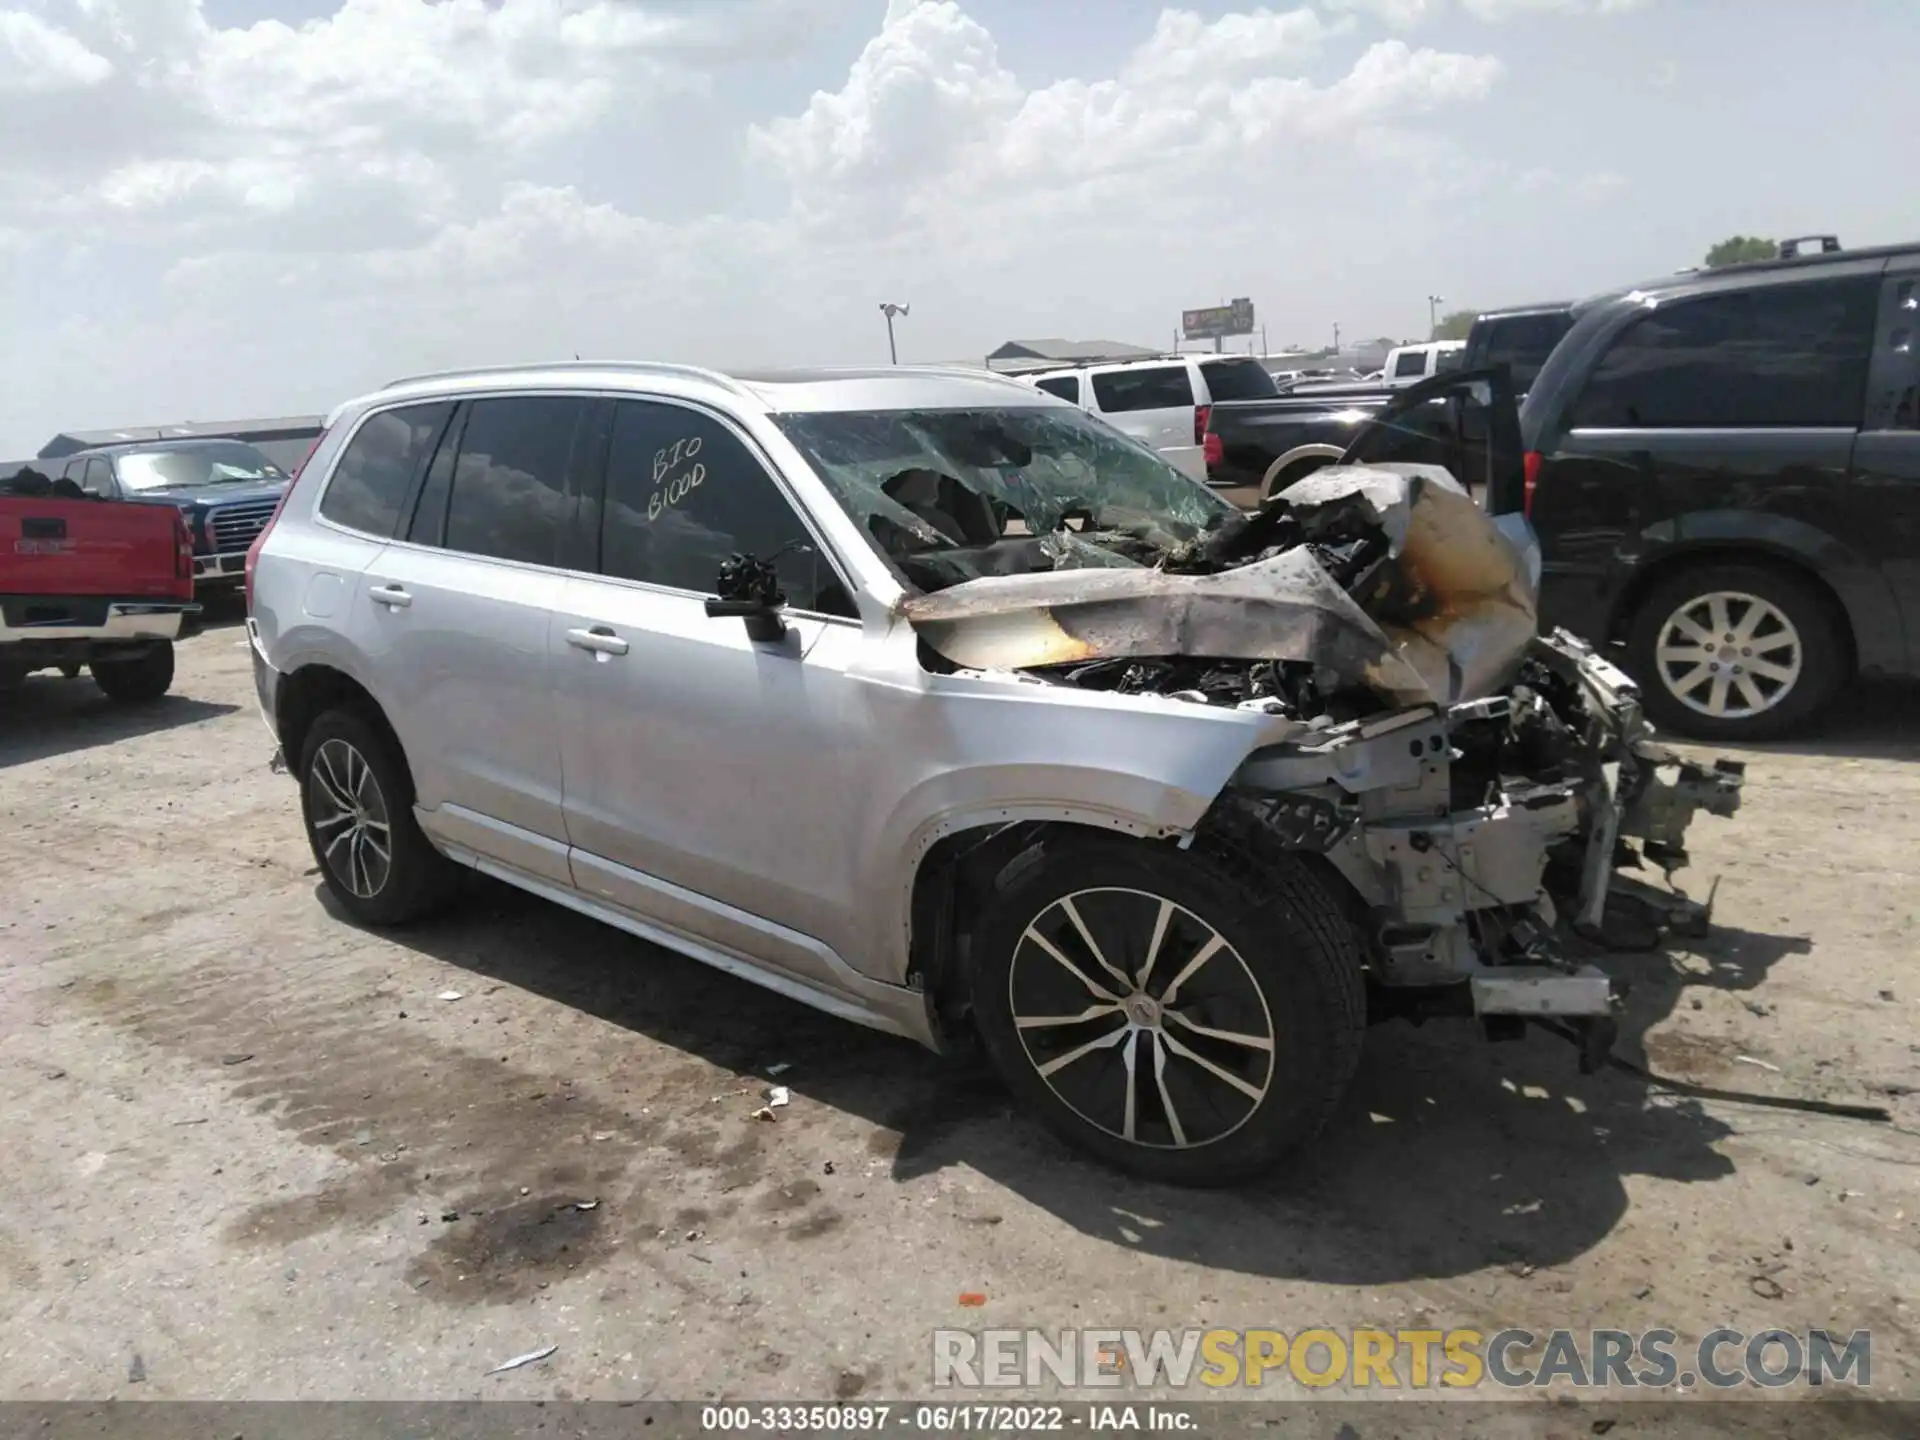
(643, 367)
(1790, 249)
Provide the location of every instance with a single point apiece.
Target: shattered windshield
(952, 495)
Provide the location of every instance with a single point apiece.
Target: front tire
(356, 796)
(1736, 652)
(1180, 1021)
(143, 679)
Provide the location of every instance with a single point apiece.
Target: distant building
(1018, 355)
(284, 441)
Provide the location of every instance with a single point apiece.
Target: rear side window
(1523, 342)
(1237, 380)
(509, 496)
(1414, 362)
(1150, 387)
(1067, 387)
(1792, 355)
(370, 483)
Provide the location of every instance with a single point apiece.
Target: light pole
(1336, 338)
(1434, 302)
(889, 309)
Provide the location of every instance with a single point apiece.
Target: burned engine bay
(1479, 788)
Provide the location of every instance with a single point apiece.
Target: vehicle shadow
(1516, 1159)
(50, 715)
(1873, 720)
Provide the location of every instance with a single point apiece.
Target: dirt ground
(249, 1153)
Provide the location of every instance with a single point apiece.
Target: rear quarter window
(1067, 387)
(1414, 362)
(1237, 380)
(1150, 387)
(370, 484)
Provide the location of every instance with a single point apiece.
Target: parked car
(925, 698)
(225, 489)
(88, 584)
(1264, 446)
(1724, 472)
(1410, 364)
(1162, 403)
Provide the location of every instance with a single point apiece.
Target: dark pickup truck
(226, 490)
(1265, 445)
(1723, 470)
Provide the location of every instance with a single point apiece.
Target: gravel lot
(252, 1155)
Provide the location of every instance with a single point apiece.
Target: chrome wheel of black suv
(1731, 652)
(1182, 1021)
(357, 798)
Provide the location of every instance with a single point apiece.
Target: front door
(712, 779)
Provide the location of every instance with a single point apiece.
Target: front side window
(684, 493)
(98, 479)
(952, 495)
(1790, 355)
(509, 498)
(1149, 387)
(376, 470)
(1523, 342)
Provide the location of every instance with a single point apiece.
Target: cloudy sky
(212, 208)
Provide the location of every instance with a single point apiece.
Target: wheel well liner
(308, 693)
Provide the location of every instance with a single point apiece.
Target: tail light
(182, 548)
(1200, 414)
(1533, 459)
(1216, 452)
(253, 550)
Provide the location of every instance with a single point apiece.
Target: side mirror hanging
(750, 589)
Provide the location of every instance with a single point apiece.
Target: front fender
(1862, 588)
(1134, 765)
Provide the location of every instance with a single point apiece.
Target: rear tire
(1780, 649)
(356, 797)
(140, 680)
(1258, 978)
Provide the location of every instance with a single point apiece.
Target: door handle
(392, 596)
(600, 639)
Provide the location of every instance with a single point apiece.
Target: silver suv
(924, 698)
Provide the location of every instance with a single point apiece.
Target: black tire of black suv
(1288, 966)
(417, 879)
(140, 680)
(1824, 652)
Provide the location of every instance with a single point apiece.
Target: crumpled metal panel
(1453, 619)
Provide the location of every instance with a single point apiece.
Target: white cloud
(37, 58)
(306, 209)
(1497, 10)
(1397, 14)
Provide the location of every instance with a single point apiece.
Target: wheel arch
(305, 694)
(1290, 466)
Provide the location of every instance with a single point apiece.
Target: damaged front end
(1480, 789)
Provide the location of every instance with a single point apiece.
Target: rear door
(1156, 405)
(1886, 459)
(1706, 417)
(453, 618)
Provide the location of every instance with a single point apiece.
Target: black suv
(1723, 469)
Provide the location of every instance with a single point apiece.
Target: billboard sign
(1217, 321)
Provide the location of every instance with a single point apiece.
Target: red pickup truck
(91, 582)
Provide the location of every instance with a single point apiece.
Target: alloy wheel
(1141, 1018)
(1729, 655)
(350, 819)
